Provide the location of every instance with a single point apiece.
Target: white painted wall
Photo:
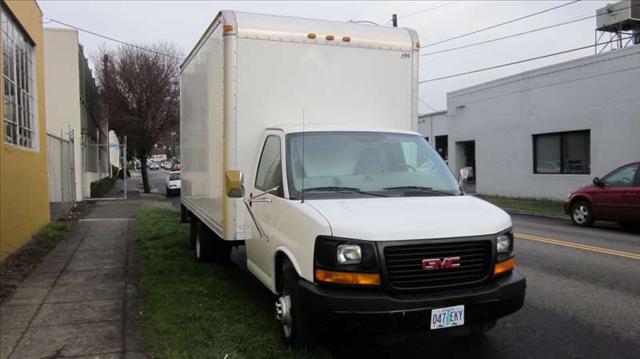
(62, 91)
(433, 124)
(600, 93)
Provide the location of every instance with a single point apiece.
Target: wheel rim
(283, 314)
(198, 247)
(580, 214)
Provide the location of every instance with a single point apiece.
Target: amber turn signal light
(227, 28)
(504, 266)
(328, 276)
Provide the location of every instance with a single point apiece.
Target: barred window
(20, 124)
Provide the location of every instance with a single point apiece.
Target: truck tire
(288, 309)
(202, 241)
(582, 214)
(207, 246)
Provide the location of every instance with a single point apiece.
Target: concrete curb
(150, 195)
(534, 214)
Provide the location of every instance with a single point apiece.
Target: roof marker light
(227, 28)
(346, 38)
(330, 37)
(311, 35)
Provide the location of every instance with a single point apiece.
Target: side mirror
(234, 184)
(598, 182)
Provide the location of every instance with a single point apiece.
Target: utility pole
(394, 20)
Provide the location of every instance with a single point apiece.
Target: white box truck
(298, 141)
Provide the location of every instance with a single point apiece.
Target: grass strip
(196, 310)
(18, 265)
(536, 206)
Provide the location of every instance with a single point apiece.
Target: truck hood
(398, 218)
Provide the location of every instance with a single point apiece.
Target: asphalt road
(583, 299)
(156, 182)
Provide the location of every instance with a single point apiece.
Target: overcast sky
(183, 22)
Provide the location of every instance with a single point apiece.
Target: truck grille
(404, 264)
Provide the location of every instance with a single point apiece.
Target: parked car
(614, 197)
(172, 184)
(153, 166)
(364, 227)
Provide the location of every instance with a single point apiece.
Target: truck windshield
(365, 164)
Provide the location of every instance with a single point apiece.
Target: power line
(404, 16)
(112, 39)
(521, 33)
(426, 104)
(505, 37)
(516, 62)
(500, 24)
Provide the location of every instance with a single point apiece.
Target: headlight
(346, 261)
(503, 243)
(349, 254)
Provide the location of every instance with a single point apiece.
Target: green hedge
(102, 186)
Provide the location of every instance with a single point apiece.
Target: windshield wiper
(420, 188)
(341, 189)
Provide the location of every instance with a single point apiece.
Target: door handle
(260, 200)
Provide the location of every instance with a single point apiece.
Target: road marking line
(585, 247)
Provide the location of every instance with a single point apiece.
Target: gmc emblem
(437, 263)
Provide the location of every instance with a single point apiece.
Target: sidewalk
(82, 300)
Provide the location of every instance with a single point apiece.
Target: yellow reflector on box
(504, 266)
(347, 277)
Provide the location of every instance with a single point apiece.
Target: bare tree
(139, 88)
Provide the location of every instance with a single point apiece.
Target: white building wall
(433, 124)
(599, 93)
(63, 92)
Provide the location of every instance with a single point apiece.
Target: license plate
(447, 317)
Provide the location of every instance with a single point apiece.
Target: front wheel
(582, 214)
(288, 310)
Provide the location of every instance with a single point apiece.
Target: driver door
(616, 201)
(267, 206)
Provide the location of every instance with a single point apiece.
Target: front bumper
(378, 311)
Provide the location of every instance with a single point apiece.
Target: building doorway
(442, 146)
(466, 158)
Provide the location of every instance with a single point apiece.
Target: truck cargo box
(249, 72)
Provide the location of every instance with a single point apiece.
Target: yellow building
(24, 204)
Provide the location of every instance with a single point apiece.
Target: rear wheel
(207, 246)
(582, 214)
(288, 309)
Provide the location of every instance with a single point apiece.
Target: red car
(614, 197)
